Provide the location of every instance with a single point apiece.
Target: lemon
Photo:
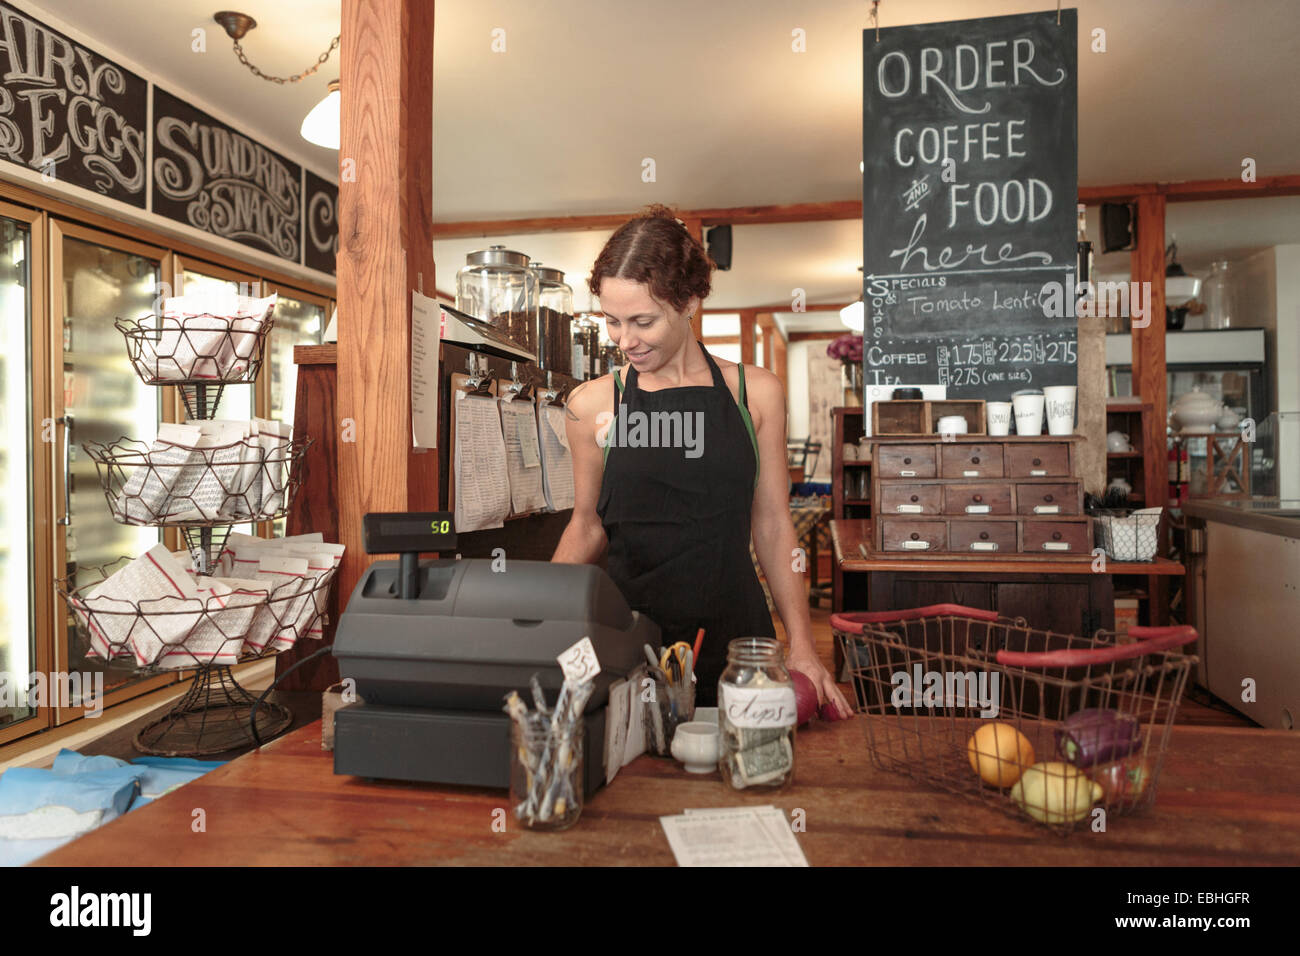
(1056, 793)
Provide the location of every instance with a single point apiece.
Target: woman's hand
(811, 667)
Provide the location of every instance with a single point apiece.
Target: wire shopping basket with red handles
(1028, 721)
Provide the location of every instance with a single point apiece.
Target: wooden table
(1227, 796)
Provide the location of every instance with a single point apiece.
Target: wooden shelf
(1123, 454)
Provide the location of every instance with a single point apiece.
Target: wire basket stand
(200, 355)
(206, 634)
(932, 677)
(211, 718)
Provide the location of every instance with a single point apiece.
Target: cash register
(434, 645)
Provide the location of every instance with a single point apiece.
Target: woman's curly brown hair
(656, 249)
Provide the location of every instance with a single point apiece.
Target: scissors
(674, 661)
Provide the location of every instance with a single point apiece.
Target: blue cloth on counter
(42, 809)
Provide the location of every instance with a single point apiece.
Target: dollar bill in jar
(756, 715)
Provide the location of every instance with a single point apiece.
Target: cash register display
(411, 531)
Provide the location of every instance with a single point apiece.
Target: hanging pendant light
(321, 125)
(852, 315)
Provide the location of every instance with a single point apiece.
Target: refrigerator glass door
(299, 320)
(104, 400)
(17, 624)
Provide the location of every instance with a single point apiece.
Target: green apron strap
(749, 422)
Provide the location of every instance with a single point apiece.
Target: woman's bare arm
(584, 541)
(774, 537)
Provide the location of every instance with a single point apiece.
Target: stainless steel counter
(1244, 577)
(1270, 515)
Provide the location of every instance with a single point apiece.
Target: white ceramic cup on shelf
(1028, 407)
(952, 425)
(999, 416)
(1059, 402)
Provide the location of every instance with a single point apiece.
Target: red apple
(805, 697)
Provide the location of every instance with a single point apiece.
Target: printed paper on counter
(742, 836)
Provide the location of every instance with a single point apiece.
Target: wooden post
(696, 228)
(747, 336)
(774, 345)
(385, 251)
(1149, 377)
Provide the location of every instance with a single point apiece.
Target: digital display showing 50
(406, 532)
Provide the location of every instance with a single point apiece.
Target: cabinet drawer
(977, 499)
(968, 535)
(905, 461)
(913, 534)
(1062, 499)
(904, 498)
(1067, 537)
(970, 461)
(1038, 460)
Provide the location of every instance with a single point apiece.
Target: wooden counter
(1227, 796)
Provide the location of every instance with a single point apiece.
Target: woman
(677, 520)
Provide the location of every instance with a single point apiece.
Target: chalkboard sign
(209, 176)
(969, 196)
(68, 112)
(320, 243)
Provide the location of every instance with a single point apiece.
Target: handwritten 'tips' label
(757, 708)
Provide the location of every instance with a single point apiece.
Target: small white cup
(1028, 408)
(696, 745)
(999, 416)
(1059, 401)
(952, 425)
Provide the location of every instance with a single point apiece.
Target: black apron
(678, 527)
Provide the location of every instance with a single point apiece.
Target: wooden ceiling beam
(1287, 185)
(815, 336)
(737, 216)
(1194, 190)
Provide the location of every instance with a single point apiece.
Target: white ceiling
(560, 122)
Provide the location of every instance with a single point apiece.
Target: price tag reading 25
(579, 662)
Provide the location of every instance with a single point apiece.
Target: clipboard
(480, 385)
(523, 391)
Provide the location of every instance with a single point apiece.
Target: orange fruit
(999, 753)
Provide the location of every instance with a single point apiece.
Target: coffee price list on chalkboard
(969, 196)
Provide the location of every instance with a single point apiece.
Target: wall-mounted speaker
(718, 243)
(1117, 222)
